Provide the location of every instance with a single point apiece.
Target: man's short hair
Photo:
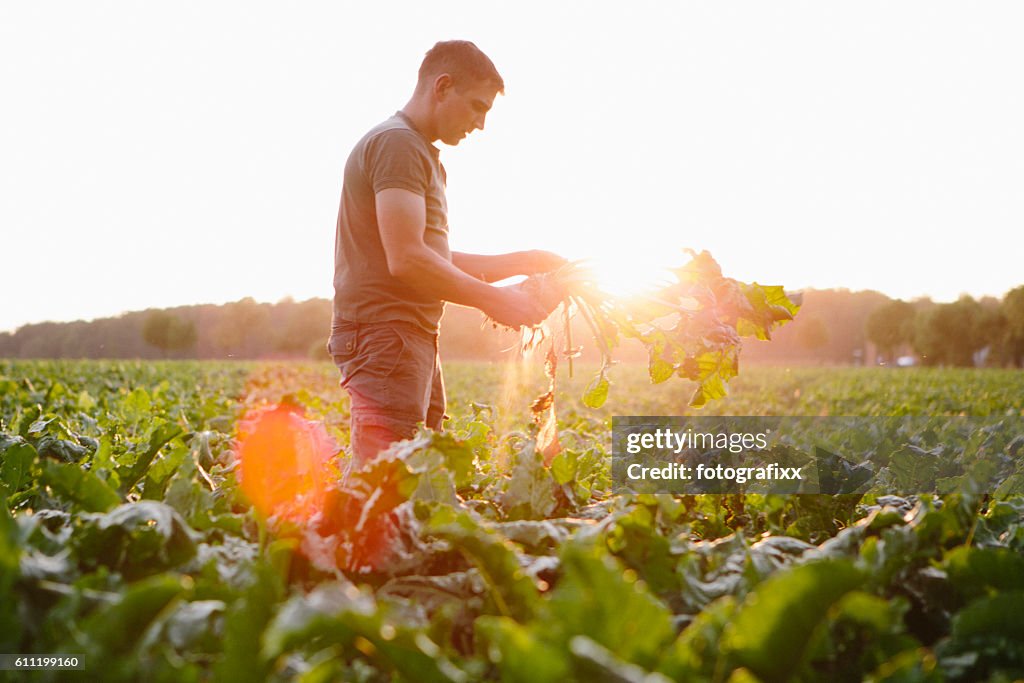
(463, 61)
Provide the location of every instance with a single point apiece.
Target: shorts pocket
(378, 350)
(343, 346)
(343, 340)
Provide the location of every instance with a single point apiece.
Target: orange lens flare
(284, 462)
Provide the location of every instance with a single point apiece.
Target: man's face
(461, 111)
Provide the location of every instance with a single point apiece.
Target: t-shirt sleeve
(393, 160)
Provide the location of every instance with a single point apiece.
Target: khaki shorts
(392, 373)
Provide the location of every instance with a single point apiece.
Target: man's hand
(492, 268)
(512, 307)
(539, 261)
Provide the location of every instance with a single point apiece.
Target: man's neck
(419, 114)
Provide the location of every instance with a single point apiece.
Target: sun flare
(626, 277)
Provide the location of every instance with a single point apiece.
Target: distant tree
(841, 313)
(306, 327)
(8, 349)
(891, 325)
(243, 328)
(991, 332)
(1012, 308)
(812, 334)
(41, 340)
(948, 333)
(168, 332)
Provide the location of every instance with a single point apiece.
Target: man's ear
(443, 86)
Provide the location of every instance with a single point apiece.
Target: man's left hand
(539, 261)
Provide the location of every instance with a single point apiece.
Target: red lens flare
(285, 462)
(288, 469)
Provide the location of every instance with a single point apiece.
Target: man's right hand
(512, 307)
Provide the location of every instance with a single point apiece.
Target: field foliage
(126, 536)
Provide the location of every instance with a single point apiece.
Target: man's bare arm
(491, 268)
(402, 216)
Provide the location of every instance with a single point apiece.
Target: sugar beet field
(136, 537)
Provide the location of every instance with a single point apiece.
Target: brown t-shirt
(392, 155)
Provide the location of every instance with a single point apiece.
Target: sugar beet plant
(127, 537)
(691, 329)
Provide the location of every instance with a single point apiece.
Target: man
(393, 269)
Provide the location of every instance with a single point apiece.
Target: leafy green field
(127, 538)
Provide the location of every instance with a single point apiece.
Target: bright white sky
(158, 154)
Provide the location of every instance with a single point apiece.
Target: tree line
(833, 327)
(963, 333)
(243, 329)
(842, 327)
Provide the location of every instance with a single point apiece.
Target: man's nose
(478, 122)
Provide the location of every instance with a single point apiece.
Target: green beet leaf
(193, 625)
(70, 482)
(772, 633)
(520, 654)
(136, 539)
(695, 654)
(565, 466)
(118, 628)
(990, 618)
(599, 598)
(984, 571)
(636, 540)
(914, 469)
(10, 550)
(313, 615)
(511, 592)
(159, 435)
(594, 662)
(433, 452)
(16, 467)
(660, 370)
(244, 625)
(597, 392)
(987, 634)
(340, 614)
(530, 493)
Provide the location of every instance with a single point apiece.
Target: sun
(628, 275)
